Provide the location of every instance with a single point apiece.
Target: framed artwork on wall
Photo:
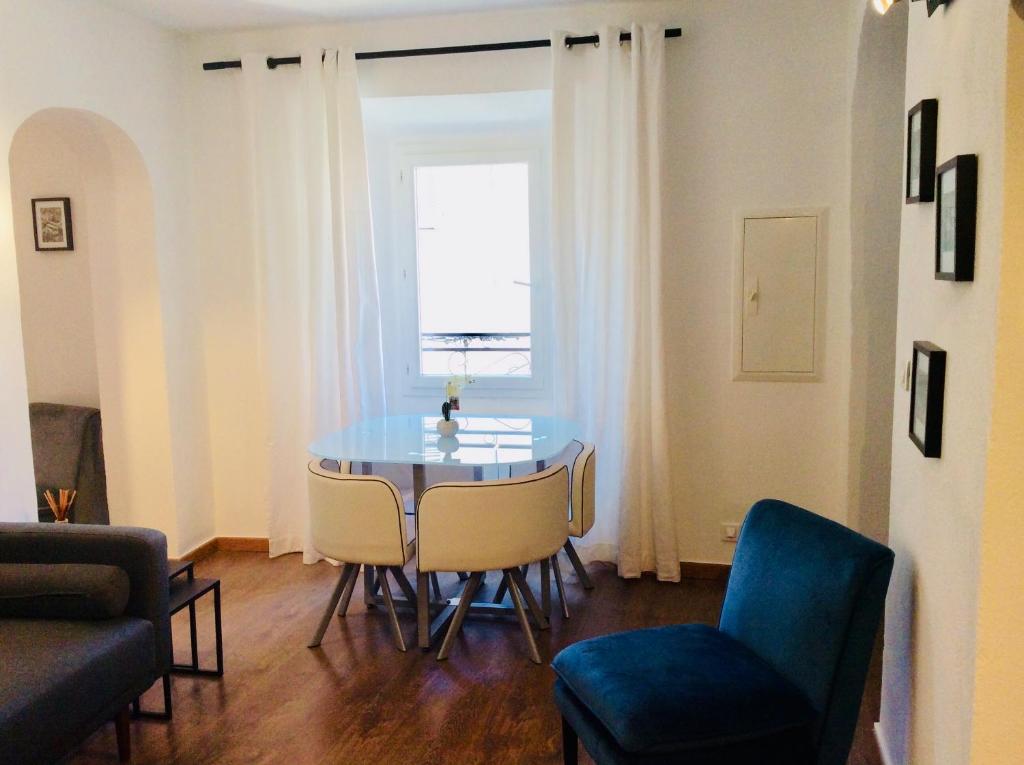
(927, 388)
(922, 131)
(956, 213)
(51, 224)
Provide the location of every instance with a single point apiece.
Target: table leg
(545, 587)
(423, 609)
(369, 587)
(194, 639)
(217, 627)
(419, 482)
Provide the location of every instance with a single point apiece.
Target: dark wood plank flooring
(358, 700)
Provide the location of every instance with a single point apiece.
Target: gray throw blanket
(67, 449)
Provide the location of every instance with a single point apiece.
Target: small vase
(447, 428)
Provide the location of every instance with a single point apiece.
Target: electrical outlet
(730, 531)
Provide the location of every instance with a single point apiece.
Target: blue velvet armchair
(779, 682)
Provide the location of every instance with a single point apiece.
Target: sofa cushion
(60, 679)
(680, 687)
(62, 591)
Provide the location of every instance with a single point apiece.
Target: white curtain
(607, 129)
(319, 325)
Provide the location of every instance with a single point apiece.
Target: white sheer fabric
(319, 308)
(607, 113)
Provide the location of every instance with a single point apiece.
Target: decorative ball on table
(447, 427)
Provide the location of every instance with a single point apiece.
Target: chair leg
(560, 585)
(122, 726)
(403, 583)
(499, 595)
(385, 589)
(577, 564)
(346, 572)
(570, 745)
(435, 584)
(524, 589)
(460, 613)
(346, 596)
(524, 622)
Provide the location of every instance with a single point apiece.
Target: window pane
(473, 262)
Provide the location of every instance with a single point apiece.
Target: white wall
(84, 55)
(878, 66)
(758, 115)
(958, 57)
(55, 287)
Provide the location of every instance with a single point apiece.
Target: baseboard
(716, 572)
(883, 745)
(244, 544)
(228, 544)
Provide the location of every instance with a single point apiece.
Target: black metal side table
(185, 591)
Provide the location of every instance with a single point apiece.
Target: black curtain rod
(274, 62)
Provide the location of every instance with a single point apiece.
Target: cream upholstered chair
(360, 521)
(583, 459)
(581, 506)
(492, 525)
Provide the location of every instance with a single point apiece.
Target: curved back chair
(360, 521)
(487, 525)
(582, 505)
(778, 683)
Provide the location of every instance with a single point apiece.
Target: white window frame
(470, 150)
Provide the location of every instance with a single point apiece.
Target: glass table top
(483, 440)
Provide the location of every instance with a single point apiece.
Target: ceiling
(196, 15)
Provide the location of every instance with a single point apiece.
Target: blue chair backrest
(807, 595)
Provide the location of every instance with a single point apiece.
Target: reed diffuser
(61, 504)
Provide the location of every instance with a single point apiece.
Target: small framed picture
(51, 222)
(927, 387)
(956, 213)
(922, 129)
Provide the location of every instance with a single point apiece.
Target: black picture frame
(42, 209)
(927, 381)
(926, 113)
(956, 218)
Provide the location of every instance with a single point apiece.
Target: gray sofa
(92, 653)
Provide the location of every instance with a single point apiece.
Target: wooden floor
(358, 700)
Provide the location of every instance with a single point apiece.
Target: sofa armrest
(142, 553)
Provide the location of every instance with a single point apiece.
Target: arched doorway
(91, 319)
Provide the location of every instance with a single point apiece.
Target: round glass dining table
(490, 444)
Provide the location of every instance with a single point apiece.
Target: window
(460, 192)
(473, 269)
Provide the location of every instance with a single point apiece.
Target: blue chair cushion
(682, 687)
